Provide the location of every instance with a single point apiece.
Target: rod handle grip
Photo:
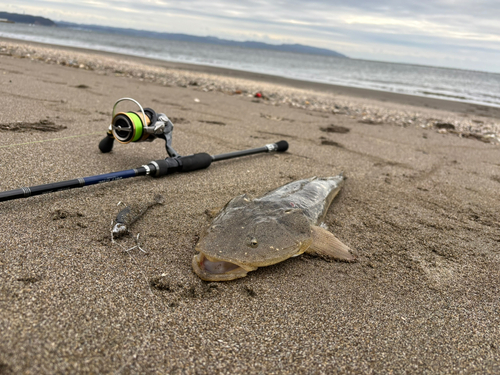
(188, 163)
(196, 161)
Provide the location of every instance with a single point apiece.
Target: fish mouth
(218, 270)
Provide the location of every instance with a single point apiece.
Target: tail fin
(326, 245)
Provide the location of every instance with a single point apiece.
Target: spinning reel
(143, 126)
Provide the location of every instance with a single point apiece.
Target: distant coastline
(296, 48)
(25, 18)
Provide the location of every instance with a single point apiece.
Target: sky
(450, 33)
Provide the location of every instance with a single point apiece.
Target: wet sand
(420, 206)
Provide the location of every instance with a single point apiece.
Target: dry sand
(421, 208)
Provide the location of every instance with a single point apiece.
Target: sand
(420, 205)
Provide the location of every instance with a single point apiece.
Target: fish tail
(326, 245)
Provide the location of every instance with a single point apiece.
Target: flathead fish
(250, 233)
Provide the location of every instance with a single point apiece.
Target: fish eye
(253, 242)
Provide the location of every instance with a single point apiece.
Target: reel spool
(129, 127)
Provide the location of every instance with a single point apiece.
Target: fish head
(119, 230)
(247, 235)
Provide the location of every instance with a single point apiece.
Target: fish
(130, 214)
(249, 233)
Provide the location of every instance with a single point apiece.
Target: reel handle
(106, 144)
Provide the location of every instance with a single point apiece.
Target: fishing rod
(129, 127)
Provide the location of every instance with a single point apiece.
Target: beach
(420, 206)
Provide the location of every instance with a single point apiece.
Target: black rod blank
(156, 168)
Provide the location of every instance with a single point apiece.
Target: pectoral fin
(325, 244)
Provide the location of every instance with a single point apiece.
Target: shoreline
(367, 106)
(357, 92)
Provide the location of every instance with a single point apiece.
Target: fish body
(251, 233)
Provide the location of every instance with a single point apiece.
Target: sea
(428, 81)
